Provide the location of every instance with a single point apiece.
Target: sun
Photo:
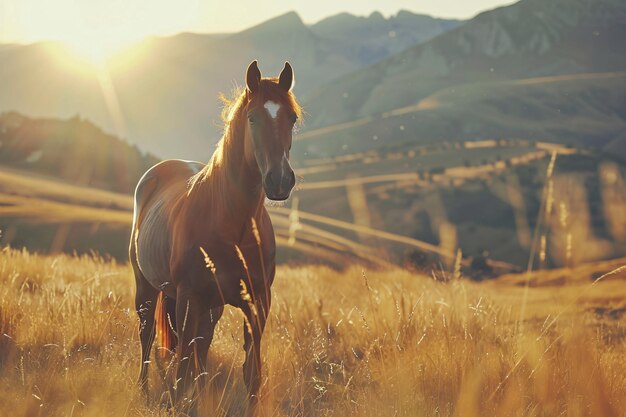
(94, 31)
(96, 51)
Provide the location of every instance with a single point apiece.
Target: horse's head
(272, 113)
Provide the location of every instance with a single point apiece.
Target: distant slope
(532, 38)
(163, 93)
(74, 150)
(46, 214)
(586, 110)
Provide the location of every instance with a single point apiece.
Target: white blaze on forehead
(272, 107)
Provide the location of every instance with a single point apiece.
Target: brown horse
(202, 238)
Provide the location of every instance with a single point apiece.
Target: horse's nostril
(274, 180)
(271, 179)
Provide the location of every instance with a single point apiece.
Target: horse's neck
(232, 186)
(240, 182)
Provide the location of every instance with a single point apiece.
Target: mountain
(532, 38)
(163, 93)
(74, 150)
(372, 38)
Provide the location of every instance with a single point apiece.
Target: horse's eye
(251, 119)
(294, 119)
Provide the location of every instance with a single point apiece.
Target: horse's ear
(285, 79)
(253, 77)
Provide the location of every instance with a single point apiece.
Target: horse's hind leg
(145, 304)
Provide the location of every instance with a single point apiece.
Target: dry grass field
(352, 343)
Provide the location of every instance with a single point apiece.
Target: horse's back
(155, 196)
(164, 173)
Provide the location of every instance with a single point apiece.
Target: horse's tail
(165, 317)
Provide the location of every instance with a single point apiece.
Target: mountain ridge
(505, 43)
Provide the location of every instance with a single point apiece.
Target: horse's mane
(229, 148)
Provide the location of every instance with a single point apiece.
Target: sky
(114, 22)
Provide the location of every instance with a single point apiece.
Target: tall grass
(352, 343)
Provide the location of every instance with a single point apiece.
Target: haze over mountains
(412, 123)
(438, 79)
(167, 88)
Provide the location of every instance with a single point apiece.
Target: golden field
(352, 343)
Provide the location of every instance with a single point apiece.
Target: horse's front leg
(195, 326)
(255, 318)
(203, 342)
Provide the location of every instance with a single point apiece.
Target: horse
(202, 238)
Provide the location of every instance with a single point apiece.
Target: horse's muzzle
(278, 187)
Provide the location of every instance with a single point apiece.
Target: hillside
(74, 150)
(582, 110)
(532, 38)
(484, 198)
(181, 77)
